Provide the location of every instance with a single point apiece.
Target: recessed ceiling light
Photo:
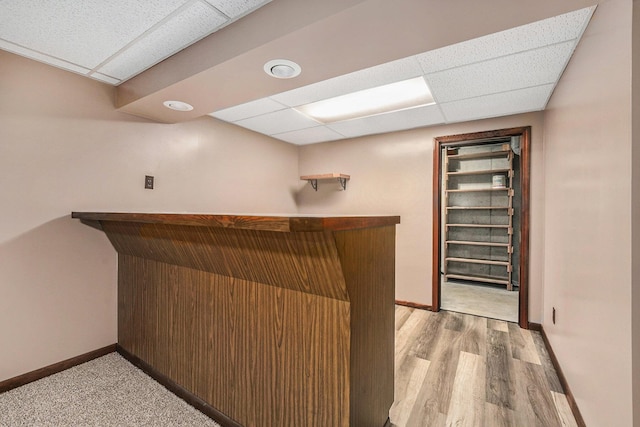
(178, 105)
(369, 102)
(282, 69)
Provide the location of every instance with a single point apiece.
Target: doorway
(481, 224)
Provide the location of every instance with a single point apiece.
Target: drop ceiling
(509, 72)
(111, 40)
(480, 59)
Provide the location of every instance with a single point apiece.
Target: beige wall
(587, 242)
(64, 148)
(635, 209)
(392, 174)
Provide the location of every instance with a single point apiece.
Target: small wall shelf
(313, 179)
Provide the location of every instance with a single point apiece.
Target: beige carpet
(494, 302)
(108, 391)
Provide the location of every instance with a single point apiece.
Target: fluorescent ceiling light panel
(378, 100)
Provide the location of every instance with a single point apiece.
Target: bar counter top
(288, 223)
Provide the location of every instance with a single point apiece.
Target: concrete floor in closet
(494, 302)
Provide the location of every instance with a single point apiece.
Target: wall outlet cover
(148, 182)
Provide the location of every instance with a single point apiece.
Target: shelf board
(472, 243)
(479, 261)
(313, 179)
(479, 225)
(483, 155)
(470, 208)
(325, 176)
(477, 190)
(487, 279)
(478, 172)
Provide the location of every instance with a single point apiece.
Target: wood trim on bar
(245, 222)
(38, 374)
(563, 380)
(179, 391)
(414, 305)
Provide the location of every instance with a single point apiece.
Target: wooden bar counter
(264, 320)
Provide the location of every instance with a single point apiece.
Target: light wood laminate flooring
(454, 369)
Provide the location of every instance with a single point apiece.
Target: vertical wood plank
(564, 410)
(409, 380)
(367, 258)
(522, 345)
(467, 397)
(534, 405)
(499, 389)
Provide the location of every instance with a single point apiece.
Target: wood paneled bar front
(269, 320)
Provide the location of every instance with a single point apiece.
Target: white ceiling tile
(526, 69)
(379, 75)
(309, 135)
(237, 8)
(183, 29)
(81, 32)
(249, 109)
(531, 36)
(103, 78)
(390, 122)
(278, 122)
(10, 47)
(501, 104)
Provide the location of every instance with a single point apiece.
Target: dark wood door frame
(525, 174)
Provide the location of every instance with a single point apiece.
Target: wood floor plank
(498, 416)
(453, 320)
(549, 370)
(474, 335)
(402, 314)
(434, 400)
(499, 390)
(498, 325)
(534, 404)
(522, 345)
(466, 408)
(429, 336)
(409, 334)
(409, 380)
(564, 410)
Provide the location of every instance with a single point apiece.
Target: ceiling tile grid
(309, 135)
(111, 40)
(189, 25)
(249, 109)
(516, 71)
(499, 104)
(278, 122)
(509, 72)
(532, 36)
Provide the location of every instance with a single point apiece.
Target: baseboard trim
(38, 374)
(178, 390)
(563, 380)
(535, 327)
(414, 305)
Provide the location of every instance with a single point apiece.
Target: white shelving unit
(478, 226)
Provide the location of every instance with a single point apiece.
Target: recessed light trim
(388, 98)
(178, 105)
(282, 69)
